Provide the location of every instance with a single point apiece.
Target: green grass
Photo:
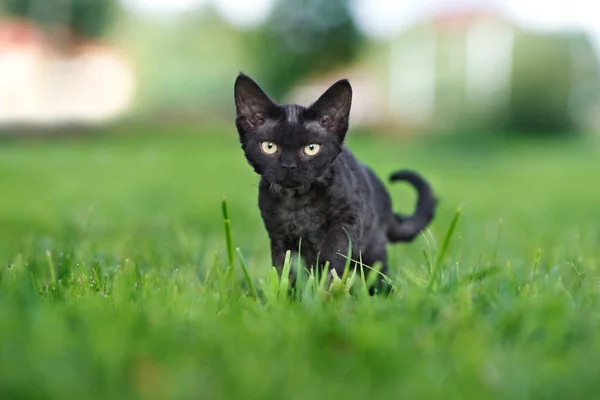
(115, 280)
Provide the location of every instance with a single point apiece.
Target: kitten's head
(291, 145)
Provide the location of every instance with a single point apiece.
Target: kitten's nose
(288, 161)
(289, 165)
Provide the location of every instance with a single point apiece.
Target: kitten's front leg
(336, 244)
(278, 251)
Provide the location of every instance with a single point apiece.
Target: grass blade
(229, 241)
(348, 258)
(285, 274)
(270, 286)
(444, 249)
(247, 273)
(51, 266)
(322, 288)
(309, 288)
(374, 274)
(337, 285)
(349, 283)
(536, 263)
(364, 290)
(427, 261)
(299, 272)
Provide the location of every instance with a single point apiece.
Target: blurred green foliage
(200, 56)
(302, 37)
(88, 18)
(555, 79)
(541, 90)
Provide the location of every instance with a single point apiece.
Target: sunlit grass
(126, 275)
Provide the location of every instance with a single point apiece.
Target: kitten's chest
(298, 217)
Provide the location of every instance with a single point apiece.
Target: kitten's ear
(333, 107)
(251, 103)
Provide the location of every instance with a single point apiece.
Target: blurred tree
(541, 85)
(302, 37)
(88, 18)
(555, 80)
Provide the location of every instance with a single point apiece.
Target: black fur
(325, 199)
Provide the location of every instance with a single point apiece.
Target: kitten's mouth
(288, 180)
(290, 184)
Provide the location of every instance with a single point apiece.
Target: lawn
(114, 279)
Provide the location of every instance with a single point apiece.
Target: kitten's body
(320, 201)
(347, 191)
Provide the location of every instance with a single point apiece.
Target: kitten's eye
(269, 147)
(312, 149)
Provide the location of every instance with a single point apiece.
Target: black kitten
(312, 189)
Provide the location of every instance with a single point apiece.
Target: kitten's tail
(403, 228)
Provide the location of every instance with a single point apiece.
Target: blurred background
(116, 116)
(417, 66)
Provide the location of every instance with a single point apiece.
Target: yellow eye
(269, 147)
(312, 149)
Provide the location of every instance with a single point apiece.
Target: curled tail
(403, 228)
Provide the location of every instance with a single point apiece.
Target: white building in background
(431, 72)
(449, 64)
(40, 86)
